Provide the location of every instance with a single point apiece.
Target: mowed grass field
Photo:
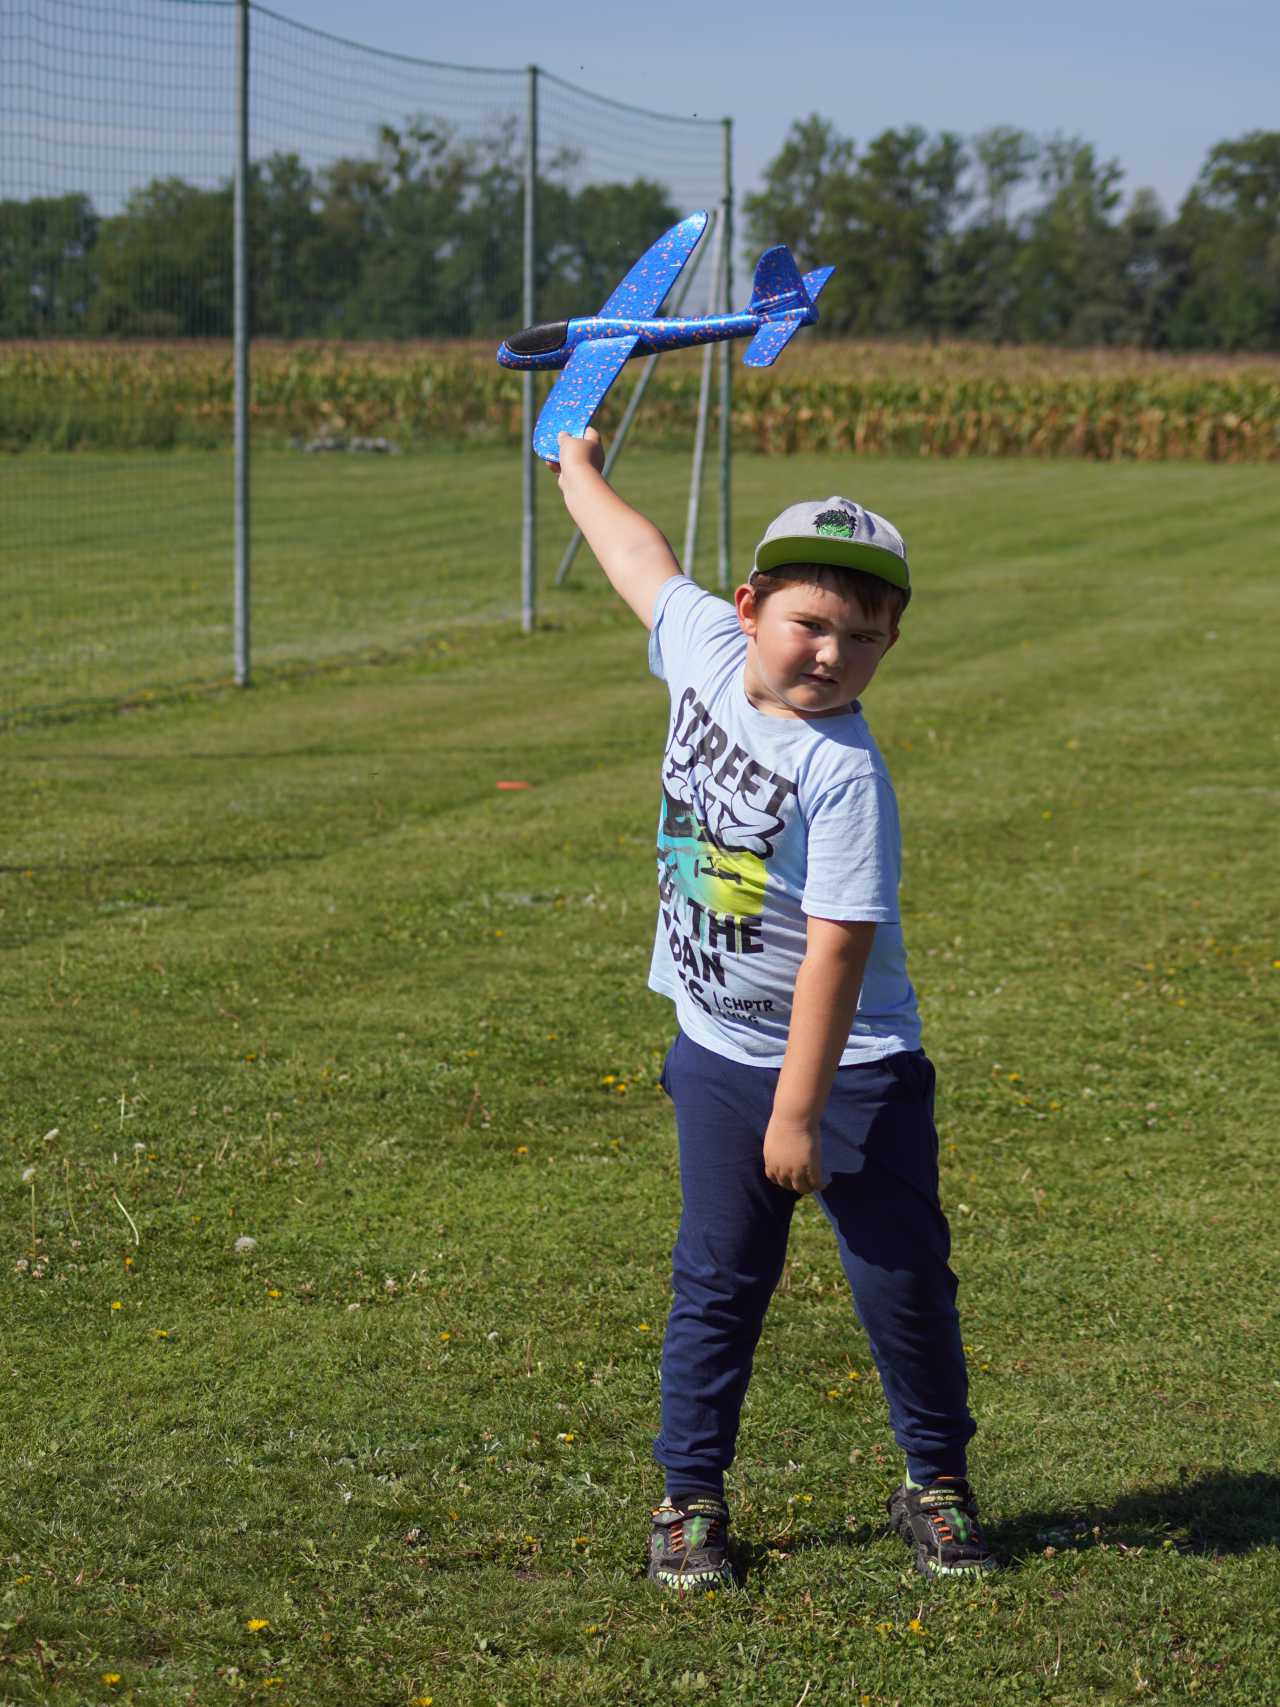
(289, 967)
(116, 569)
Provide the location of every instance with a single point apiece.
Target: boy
(797, 1066)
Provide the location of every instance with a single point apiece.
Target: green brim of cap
(837, 553)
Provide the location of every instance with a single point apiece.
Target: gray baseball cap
(838, 532)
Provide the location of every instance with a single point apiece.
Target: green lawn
(287, 966)
(116, 570)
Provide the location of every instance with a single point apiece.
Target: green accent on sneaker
(695, 1532)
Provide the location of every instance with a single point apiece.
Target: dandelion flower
(915, 1625)
(884, 1628)
(568, 1439)
(642, 1327)
(256, 1624)
(274, 1292)
(116, 1304)
(445, 1337)
(522, 1149)
(111, 1678)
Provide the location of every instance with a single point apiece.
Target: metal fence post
(726, 368)
(689, 556)
(528, 544)
(240, 263)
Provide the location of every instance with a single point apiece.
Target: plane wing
(641, 292)
(577, 394)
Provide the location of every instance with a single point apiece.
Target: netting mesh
(108, 110)
(386, 205)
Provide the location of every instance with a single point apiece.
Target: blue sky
(1152, 83)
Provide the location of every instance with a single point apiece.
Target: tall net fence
(385, 205)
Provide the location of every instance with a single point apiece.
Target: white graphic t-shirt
(765, 821)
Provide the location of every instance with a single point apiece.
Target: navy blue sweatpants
(880, 1149)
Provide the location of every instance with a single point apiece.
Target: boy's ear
(744, 602)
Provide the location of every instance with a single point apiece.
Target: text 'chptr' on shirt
(765, 821)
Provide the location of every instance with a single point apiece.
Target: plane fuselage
(654, 336)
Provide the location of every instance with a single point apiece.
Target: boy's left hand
(576, 454)
(793, 1156)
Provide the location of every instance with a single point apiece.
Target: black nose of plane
(539, 340)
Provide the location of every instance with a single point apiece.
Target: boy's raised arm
(633, 553)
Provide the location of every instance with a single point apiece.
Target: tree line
(1011, 238)
(420, 239)
(1004, 237)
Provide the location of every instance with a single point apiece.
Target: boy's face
(810, 650)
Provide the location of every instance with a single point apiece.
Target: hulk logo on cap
(839, 522)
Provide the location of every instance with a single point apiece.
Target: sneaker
(941, 1523)
(689, 1546)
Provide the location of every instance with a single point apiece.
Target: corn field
(948, 401)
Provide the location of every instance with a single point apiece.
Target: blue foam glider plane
(593, 350)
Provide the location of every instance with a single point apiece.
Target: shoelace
(707, 1530)
(947, 1508)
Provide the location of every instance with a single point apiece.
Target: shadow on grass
(1225, 1512)
(1217, 1515)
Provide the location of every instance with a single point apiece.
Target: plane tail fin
(778, 288)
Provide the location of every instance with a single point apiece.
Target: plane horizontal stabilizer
(770, 341)
(814, 281)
